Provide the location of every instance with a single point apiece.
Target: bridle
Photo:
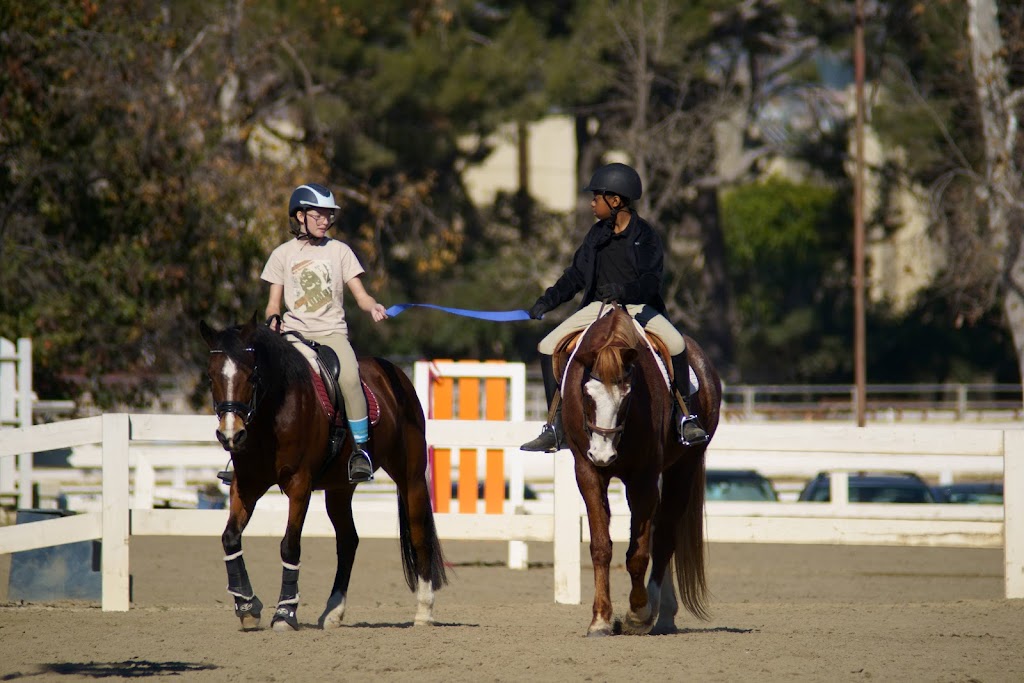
(613, 433)
(243, 410)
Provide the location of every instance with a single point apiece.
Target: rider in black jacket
(621, 259)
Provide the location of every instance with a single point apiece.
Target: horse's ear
(207, 332)
(250, 326)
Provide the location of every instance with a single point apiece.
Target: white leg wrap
(424, 603)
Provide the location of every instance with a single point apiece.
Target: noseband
(244, 411)
(614, 433)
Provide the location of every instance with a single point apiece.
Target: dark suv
(873, 488)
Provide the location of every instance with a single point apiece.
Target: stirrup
(226, 476)
(360, 467)
(702, 438)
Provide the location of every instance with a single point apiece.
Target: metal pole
(860, 344)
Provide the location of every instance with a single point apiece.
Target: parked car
(746, 485)
(975, 493)
(873, 488)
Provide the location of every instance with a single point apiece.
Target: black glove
(610, 292)
(538, 310)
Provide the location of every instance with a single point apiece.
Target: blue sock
(360, 430)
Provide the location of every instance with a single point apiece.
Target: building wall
(551, 153)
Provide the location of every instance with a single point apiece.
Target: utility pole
(859, 331)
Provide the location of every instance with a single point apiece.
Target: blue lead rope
(495, 316)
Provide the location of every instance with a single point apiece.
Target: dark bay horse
(618, 419)
(272, 423)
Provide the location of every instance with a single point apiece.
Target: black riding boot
(551, 437)
(360, 467)
(690, 431)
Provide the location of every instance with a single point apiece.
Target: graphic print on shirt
(313, 279)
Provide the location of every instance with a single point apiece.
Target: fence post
(115, 581)
(567, 535)
(8, 411)
(961, 401)
(1013, 512)
(26, 479)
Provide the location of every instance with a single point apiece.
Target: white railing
(836, 449)
(16, 399)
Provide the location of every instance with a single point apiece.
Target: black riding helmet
(617, 179)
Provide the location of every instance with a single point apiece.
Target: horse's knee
(231, 540)
(601, 553)
(637, 564)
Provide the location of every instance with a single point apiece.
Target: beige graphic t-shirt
(313, 277)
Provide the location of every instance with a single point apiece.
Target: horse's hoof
(636, 628)
(248, 612)
(602, 628)
(334, 612)
(250, 623)
(638, 624)
(284, 620)
(423, 621)
(664, 629)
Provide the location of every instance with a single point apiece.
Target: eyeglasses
(318, 217)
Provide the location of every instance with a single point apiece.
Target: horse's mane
(621, 334)
(280, 364)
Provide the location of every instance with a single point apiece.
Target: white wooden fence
(16, 409)
(830, 448)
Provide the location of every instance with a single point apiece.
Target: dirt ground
(792, 613)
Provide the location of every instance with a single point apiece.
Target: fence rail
(885, 402)
(843, 448)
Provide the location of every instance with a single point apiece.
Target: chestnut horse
(617, 413)
(273, 424)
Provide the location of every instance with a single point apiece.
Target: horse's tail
(438, 577)
(690, 552)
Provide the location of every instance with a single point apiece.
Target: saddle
(325, 380)
(565, 347)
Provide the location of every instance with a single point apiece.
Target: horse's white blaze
(606, 408)
(424, 602)
(229, 421)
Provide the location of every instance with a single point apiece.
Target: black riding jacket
(648, 258)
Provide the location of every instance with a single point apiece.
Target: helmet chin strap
(614, 209)
(303, 232)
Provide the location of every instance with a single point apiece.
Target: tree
(1000, 96)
